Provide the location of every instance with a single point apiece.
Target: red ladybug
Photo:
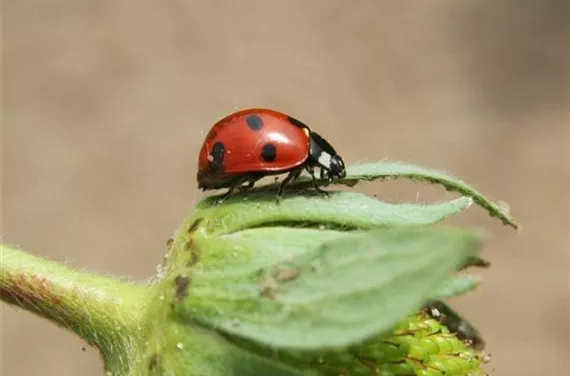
(250, 144)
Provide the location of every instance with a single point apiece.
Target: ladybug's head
(323, 155)
(336, 167)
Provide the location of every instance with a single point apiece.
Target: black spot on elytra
(217, 157)
(297, 123)
(254, 122)
(182, 284)
(269, 152)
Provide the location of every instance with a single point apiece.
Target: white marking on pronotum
(325, 159)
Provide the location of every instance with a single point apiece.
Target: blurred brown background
(106, 104)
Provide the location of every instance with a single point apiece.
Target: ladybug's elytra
(250, 144)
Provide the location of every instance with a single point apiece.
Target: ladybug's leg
(252, 180)
(311, 172)
(292, 176)
(236, 184)
(323, 174)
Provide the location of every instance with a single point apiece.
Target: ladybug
(250, 144)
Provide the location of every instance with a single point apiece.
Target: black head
(336, 168)
(323, 155)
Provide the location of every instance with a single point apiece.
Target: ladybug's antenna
(204, 143)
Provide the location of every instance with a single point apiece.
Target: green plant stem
(106, 312)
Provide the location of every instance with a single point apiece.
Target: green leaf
(456, 286)
(341, 210)
(257, 248)
(387, 169)
(335, 294)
